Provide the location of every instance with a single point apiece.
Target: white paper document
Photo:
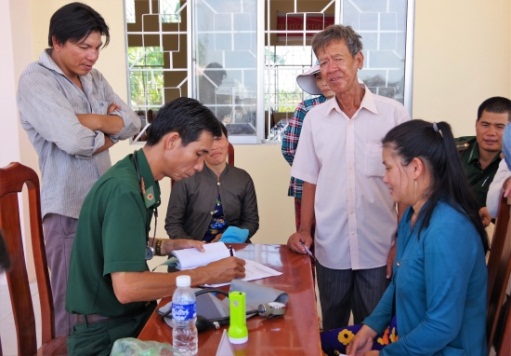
(192, 258)
(253, 270)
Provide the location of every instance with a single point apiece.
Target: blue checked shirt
(291, 137)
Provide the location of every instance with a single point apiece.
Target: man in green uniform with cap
(481, 154)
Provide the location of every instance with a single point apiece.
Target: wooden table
(296, 333)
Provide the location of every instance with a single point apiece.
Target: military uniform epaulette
(462, 146)
(464, 143)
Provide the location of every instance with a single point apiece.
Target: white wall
(462, 57)
(10, 150)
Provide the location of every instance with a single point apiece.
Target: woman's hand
(362, 342)
(217, 238)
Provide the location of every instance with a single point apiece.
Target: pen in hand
(231, 252)
(308, 251)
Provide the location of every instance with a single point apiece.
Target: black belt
(91, 319)
(97, 318)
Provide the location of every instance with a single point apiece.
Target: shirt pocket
(374, 162)
(100, 107)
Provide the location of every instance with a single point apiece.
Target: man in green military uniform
(481, 154)
(111, 289)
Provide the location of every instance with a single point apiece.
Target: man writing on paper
(110, 286)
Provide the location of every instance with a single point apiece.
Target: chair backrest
(505, 345)
(230, 156)
(499, 268)
(12, 180)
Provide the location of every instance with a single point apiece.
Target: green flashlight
(237, 332)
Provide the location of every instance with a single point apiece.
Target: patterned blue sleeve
(292, 133)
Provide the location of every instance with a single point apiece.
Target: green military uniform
(479, 179)
(111, 237)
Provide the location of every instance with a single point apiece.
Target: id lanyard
(149, 249)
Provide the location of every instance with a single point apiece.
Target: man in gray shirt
(72, 117)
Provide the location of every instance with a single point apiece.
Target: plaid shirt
(291, 137)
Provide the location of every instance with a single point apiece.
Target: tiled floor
(7, 331)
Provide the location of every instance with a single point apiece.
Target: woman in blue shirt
(438, 289)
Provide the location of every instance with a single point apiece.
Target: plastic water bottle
(184, 315)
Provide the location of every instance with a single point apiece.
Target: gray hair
(337, 33)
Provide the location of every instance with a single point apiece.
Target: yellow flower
(393, 336)
(345, 336)
(384, 339)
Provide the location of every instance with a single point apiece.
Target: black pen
(231, 251)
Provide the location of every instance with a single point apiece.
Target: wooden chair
(230, 155)
(505, 346)
(499, 270)
(12, 179)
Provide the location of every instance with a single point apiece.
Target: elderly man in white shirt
(339, 157)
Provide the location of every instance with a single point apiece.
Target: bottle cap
(183, 281)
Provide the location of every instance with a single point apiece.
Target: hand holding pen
(308, 250)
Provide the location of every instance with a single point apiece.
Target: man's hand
(112, 107)
(506, 187)
(390, 260)
(225, 270)
(170, 245)
(485, 216)
(362, 343)
(108, 143)
(295, 241)
(109, 124)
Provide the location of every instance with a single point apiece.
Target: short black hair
(186, 116)
(495, 104)
(75, 21)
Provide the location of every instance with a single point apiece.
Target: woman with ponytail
(438, 289)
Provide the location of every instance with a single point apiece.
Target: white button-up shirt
(495, 190)
(356, 219)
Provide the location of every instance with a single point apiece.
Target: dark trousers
(343, 291)
(59, 233)
(98, 338)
